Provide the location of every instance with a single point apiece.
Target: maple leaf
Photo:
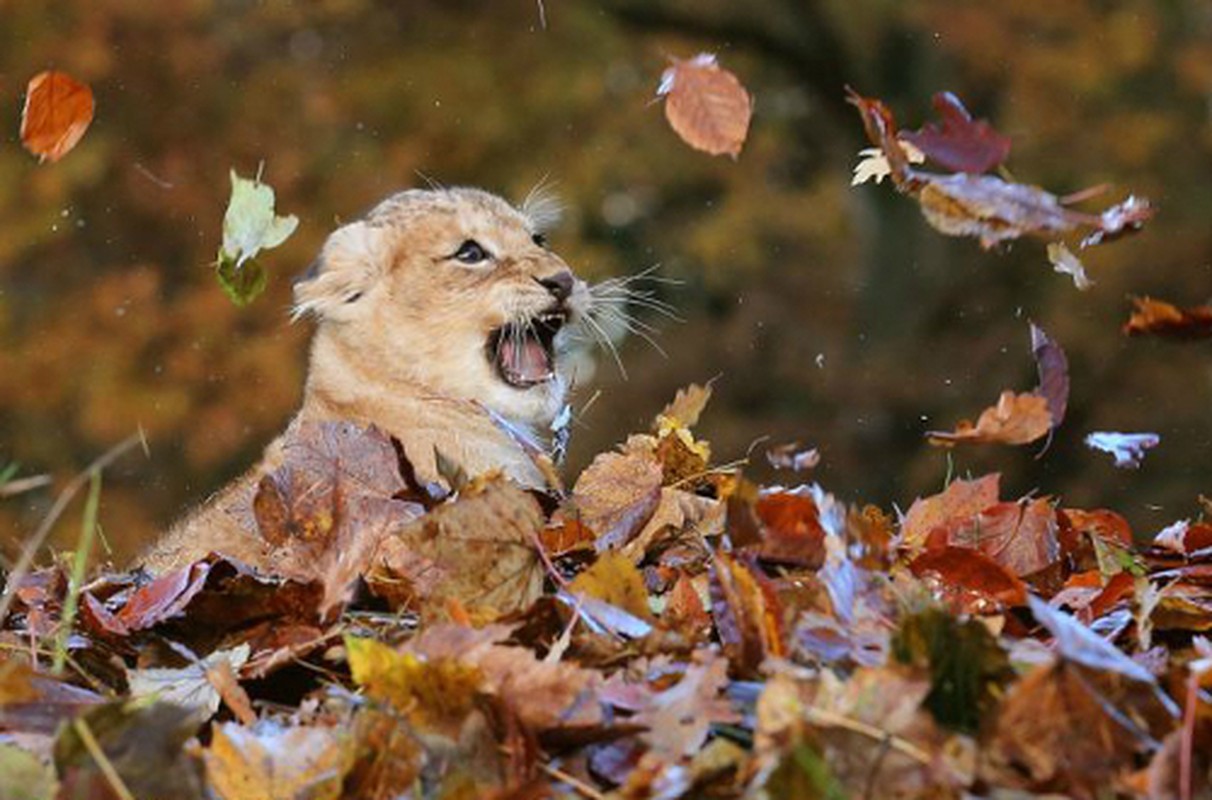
(1127, 448)
(249, 226)
(1016, 419)
(1160, 318)
(961, 144)
(58, 110)
(706, 105)
(1063, 261)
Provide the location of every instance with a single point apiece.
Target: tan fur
(400, 343)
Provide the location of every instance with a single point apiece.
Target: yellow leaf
(614, 579)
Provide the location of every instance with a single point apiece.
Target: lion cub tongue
(525, 360)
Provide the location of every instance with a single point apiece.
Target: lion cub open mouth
(524, 352)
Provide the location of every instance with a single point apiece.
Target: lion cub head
(451, 292)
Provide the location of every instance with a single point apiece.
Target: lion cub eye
(540, 239)
(471, 252)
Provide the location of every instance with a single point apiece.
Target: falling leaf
(617, 494)
(872, 166)
(706, 105)
(1063, 261)
(1160, 318)
(793, 456)
(1016, 419)
(1128, 448)
(274, 762)
(249, 226)
(961, 144)
(985, 206)
(1053, 368)
(58, 110)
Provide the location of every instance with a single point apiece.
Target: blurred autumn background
(831, 315)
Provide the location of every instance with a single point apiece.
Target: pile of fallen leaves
(663, 629)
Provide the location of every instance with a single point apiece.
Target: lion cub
(439, 310)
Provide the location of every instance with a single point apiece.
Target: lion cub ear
(351, 262)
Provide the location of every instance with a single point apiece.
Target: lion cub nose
(559, 284)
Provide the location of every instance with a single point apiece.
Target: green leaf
(25, 777)
(249, 226)
(967, 666)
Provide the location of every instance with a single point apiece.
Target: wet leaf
(706, 105)
(1016, 419)
(1159, 318)
(960, 144)
(1127, 448)
(58, 110)
(249, 226)
(969, 580)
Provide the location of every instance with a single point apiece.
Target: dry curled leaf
(617, 494)
(1016, 419)
(58, 110)
(706, 105)
(1159, 318)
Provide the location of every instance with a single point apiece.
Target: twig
(22, 485)
(577, 784)
(34, 544)
(84, 548)
(822, 717)
(94, 750)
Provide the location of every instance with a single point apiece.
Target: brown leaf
(961, 144)
(276, 763)
(791, 530)
(706, 105)
(1022, 536)
(960, 501)
(680, 717)
(1016, 419)
(1053, 368)
(479, 549)
(1159, 318)
(970, 581)
(617, 494)
(58, 110)
(748, 615)
(331, 503)
(686, 407)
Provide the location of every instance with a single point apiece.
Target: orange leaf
(706, 105)
(1160, 318)
(58, 110)
(971, 580)
(961, 501)
(1016, 419)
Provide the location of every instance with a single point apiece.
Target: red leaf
(58, 110)
(970, 579)
(1160, 318)
(961, 144)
